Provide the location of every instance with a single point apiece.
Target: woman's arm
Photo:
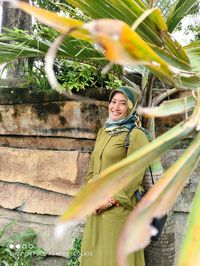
(137, 140)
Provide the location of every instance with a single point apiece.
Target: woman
(103, 227)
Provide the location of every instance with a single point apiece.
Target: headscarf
(131, 120)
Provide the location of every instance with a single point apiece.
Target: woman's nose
(117, 106)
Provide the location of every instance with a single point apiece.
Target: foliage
(17, 43)
(75, 252)
(50, 5)
(180, 10)
(76, 76)
(193, 53)
(20, 249)
(171, 51)
(38, 79)
(60, 7)
(73, 75)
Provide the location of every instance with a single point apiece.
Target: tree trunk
(161, 252)
(14, 18)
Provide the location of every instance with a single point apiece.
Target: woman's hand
(102, 208)
(113, 201)
(109, 203)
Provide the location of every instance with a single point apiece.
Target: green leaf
(193, 52)
(172, 60)
(180, 10)
(159, 199)
(156, 14)
(119, 175)
(5, 263)
(167, 108)
(9, 52)
(34, 45)
(190, 254)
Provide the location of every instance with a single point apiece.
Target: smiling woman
(103, 227)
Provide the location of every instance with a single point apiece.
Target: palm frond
(179, 11)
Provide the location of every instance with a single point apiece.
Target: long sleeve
(125, 195)
(90, 171)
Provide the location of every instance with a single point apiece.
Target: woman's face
(118, 107)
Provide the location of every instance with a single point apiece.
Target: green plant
(20, 249)
(75, 252)
(77, 76)
(74, 76)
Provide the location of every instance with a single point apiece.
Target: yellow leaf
(124, 46)
(61, 24)
(156, 17)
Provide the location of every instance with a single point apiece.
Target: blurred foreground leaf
(167, 108)
(62, 24)
(159, 199)
(190, 251)
(193, 52)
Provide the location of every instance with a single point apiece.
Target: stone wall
(45, 141)
(44, 154)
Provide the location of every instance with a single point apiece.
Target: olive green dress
(102, 231)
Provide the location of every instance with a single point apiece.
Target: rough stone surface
(165, 123)
(31, 199)
(59, 171)
(184, 201)
(61, 119)
(15, 91)
(47, 143)
(44, 227)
